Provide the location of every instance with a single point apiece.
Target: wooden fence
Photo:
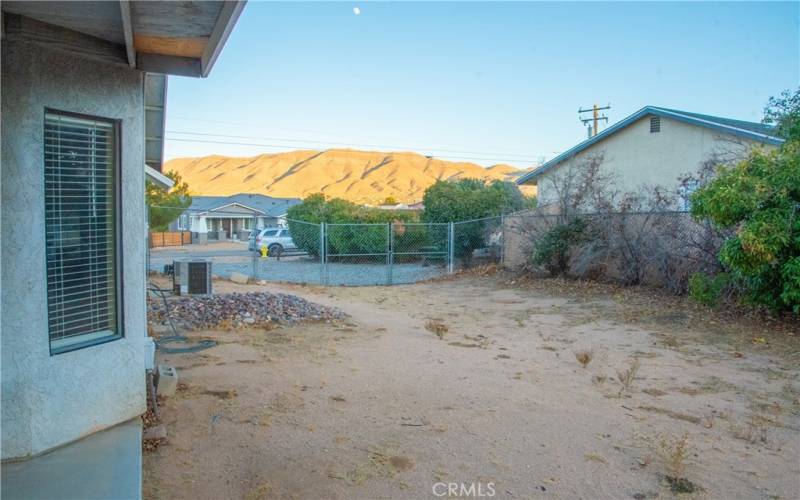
(170, 238)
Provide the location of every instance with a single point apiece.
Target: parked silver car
(277, 240)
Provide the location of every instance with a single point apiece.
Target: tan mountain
(358, 176)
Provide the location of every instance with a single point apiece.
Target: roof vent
(655, 124)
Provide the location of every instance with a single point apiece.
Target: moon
(356, 10)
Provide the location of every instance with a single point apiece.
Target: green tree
(760, 198)
(165, 205)
(467, 200)
(784, 113)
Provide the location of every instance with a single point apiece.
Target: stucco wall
(641, 158)
(50, 400)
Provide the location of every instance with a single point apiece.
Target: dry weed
(755, 429)
(437, 326)
(627, 376)
(261, 492)
(584, 357)
(596, 457)
(674, 453)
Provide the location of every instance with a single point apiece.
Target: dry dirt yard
(479, 381)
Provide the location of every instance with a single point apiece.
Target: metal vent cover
(655, 124)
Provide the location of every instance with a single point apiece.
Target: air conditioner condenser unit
(191, 277)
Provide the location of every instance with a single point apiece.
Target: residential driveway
(476, 382)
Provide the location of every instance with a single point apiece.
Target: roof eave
(231, 10)
(158, 178)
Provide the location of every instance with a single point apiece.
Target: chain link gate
(350, 254)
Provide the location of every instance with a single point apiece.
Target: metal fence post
(502, 239)
(322, 249)
(389, 252)
(450, 247)
(254, 234)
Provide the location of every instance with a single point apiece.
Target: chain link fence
(296, 251)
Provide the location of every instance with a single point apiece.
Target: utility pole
(596, 117)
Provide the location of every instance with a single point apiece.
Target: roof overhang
(172, 38)
(645, 111)
(155, 105)
(158, 178)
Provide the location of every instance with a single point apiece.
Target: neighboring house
(655, 146)
(73, 334)
(417, 205)
(233, 216)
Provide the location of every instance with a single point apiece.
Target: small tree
(760, 198)
(166, 205)
(468, 200)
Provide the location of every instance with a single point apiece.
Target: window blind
(80, 228)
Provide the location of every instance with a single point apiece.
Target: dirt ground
(478, 381)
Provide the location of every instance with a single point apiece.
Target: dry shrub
(437, 326)
(584, 357)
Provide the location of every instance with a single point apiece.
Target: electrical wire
(522, 157)
(287, 147)
(176, 337)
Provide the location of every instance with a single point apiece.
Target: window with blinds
(81, 232)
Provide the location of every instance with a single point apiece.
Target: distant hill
(359, 176)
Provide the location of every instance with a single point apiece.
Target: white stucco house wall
(654, 146)
(72, 315)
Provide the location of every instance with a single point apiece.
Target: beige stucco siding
(639, 157)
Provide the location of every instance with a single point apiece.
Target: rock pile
(238, 310)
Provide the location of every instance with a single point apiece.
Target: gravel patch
(307, 270)
(239, 309)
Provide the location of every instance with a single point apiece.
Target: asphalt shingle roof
(266, 204)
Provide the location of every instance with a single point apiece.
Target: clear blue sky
(501, 82)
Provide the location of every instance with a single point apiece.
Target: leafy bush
(760, 198)
(706, 289)
(553, 250)
(304, 222)
(469, 199)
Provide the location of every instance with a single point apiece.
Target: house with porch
(236, 216)
(654, 146)
(80, 119)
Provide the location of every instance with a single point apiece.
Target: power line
(416, 148)
(382, 146)
(293, 147)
